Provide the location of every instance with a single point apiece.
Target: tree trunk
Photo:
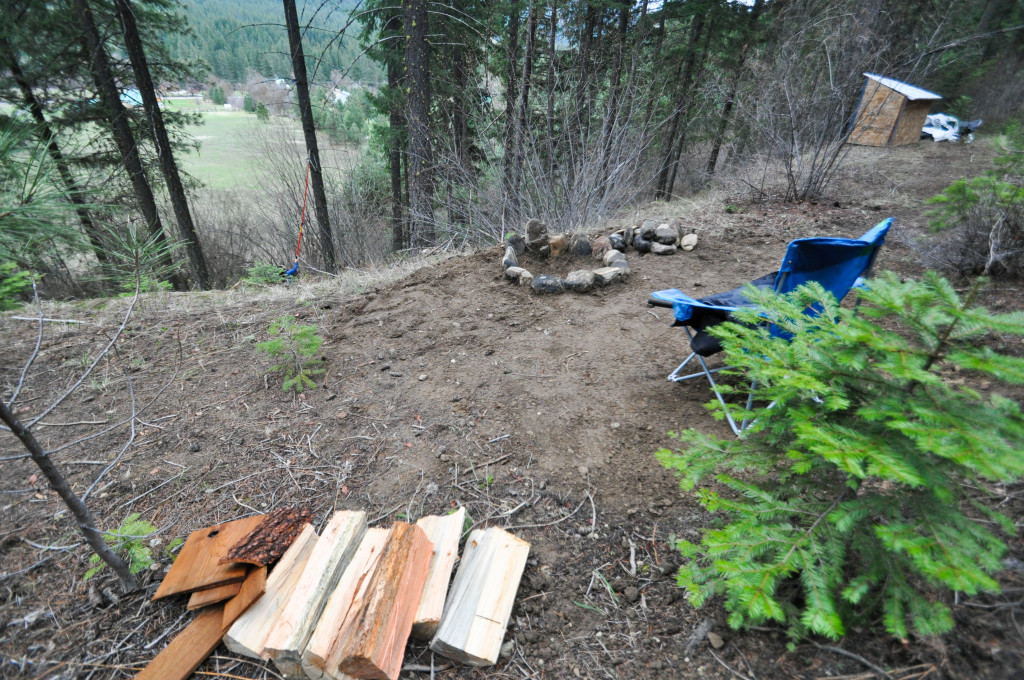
(323, 218)
(510, 205)
(143, 80)
(47, 137)
(664, 187)
(86, 523)
(552, 33)
(523, 105)
(103, 79)
(612, 111)
(396, 122)
(417, 62)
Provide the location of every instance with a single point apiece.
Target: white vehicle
(942, 127)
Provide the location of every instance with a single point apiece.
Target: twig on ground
(856, 657)
(726, 666)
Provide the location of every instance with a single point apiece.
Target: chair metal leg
(707, 373)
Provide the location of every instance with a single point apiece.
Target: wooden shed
(890, 112)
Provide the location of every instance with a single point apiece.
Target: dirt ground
(449, 386)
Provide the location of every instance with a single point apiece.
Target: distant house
(341, 96)
(890, 112)
(237, 101)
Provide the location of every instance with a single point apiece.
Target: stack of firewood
(342, 604)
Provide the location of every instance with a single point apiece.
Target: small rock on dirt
(581, 280)
(647, 229)
(601, 246)
(617, 242)
(579, 245)
(525, 278)
(518, 243)
(641, 244)
(558, 245)
(536, 233)
(631, 594)
(689, 241)
(549, 284)
(627, 236)
(667, 234)
(716, 640)
(607, 275)
(662, 249)
(612, 256)
(515, 273)
(423, 376)
(507, 649)
(510, 258)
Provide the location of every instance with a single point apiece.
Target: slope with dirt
(449, 386)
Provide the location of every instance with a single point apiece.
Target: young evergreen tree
(858, 494)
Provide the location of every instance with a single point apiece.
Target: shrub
(262, 113)
(297, 346)
(849, 495)
(129, 541)
(262, 273)
(13, 284)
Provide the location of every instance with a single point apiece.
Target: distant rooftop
(908, 91)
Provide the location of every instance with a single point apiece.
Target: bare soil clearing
(451, 386)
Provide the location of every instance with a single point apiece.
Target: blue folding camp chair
(838, 264)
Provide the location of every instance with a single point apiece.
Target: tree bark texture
(323, 218)
(179, 202)
(510, 205)
(396, 123)
(681, 106)
(523, 103)
(84, 518)
(103, 79)
(421, 185)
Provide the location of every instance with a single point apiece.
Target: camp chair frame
(838, 264)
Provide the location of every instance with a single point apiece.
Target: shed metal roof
(908, 91)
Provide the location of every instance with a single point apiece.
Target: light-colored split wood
(296, 622)
(444, 532)
(249, 633)
(480, 603)
(373, 636)
(316, 658)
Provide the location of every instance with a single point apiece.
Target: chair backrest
(838, 264)
(835, 263)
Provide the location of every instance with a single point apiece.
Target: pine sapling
(847, 501)
(296, 346)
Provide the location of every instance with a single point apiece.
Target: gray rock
(647, 229)
(689, 241)
(510, 259)
(579, 245)
(515, 273)
(667, 234)
(607, 275)
(518, 243)
(631, 594)
(662, 249)
(525, 278)
(581, 280)
(618, 243)
(536, 233)
(601, 246)
(623, 266)
(641, 244)
(549, 284)
(612, 256)
(627, 236)
(507, 649)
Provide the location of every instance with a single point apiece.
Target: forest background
(435, 126)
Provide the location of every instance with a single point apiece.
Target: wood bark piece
(444, 532)
(480, 603)
(202, 598)
(197, 566)
(253, 587)
(190, 647)
(248, 635)
(333, 551)
(374, 634)
(318, 659)
(267, 542)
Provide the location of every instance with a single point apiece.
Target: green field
(224, 159)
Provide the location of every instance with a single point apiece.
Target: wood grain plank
(248, 635)
(319, 652)
(202, 598)
(444, 533)
(480, 603)
(374, 634)
(253, 587)
(197, 565)
(188, 649)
